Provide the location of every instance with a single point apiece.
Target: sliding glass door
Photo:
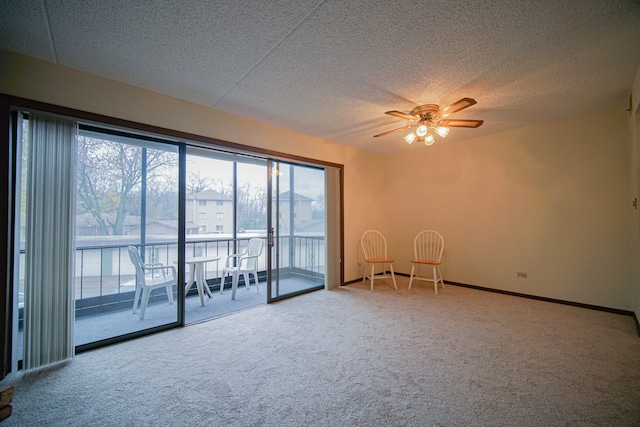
(123, 233)
(126, 219)
(297, 249)
(225, 208)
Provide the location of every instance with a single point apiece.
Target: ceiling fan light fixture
(442, 131)
(421, 131)
(410, 138)
(430, 119)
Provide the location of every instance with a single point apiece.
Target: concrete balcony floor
(95, 328)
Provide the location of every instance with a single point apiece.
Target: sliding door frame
(274, 215)
(7, 219)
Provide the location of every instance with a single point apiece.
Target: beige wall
(551, 200)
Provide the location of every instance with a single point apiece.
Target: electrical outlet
(521, 274)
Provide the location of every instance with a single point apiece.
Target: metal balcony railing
(105, 277)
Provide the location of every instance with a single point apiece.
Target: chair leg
(135, 299)
(393, 277)
(170, 293)
(372, 274)
(364, 276)
(234, 284)
(145, 300)
(256, 278)
(435, 280)
(411, 276)
(440, 277)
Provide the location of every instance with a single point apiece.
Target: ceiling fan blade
(455, 107)
(403, 115)
(392, 131)
(461, 123)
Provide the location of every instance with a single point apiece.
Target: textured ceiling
(332, 68)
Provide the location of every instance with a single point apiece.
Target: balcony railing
(105, 277)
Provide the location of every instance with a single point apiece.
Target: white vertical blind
(49, 242)
(333, 231)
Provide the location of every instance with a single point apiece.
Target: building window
(219, 228)
(202, 202)
(202, 215)
(219, 202)
(219, 215)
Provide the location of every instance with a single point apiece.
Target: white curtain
(49, 242)
(333, 192)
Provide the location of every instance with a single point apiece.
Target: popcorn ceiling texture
(352, 357)
(331, 68)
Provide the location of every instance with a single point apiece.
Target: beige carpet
(353, 358)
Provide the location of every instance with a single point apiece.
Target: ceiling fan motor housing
(425, 111)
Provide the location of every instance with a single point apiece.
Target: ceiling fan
(431, 117)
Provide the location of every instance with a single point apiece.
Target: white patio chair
(427, 250)
(374, 247)
(245, 264)
(149, 277)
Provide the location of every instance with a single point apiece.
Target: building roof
(296, 196)
(208, 195)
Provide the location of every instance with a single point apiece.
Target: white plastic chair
(150, 277)
(245, 263)
(374, 247)
(427, 249)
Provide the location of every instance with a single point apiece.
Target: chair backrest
(254, 249)
(134, 255)
(428, 246)
(374, 245)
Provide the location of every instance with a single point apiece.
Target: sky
(308, 181)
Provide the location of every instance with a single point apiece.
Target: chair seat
(424, 261)
(159, 281)
(379, 260)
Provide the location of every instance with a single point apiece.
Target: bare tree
(108, 174)
(226, 189)
(162, 199)
(252, 206)
(198, 183)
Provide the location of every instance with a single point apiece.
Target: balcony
(105, 281)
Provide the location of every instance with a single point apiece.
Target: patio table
(196, 275)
